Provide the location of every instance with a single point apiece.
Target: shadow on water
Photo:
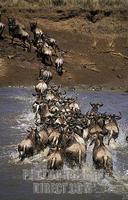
(16, 116)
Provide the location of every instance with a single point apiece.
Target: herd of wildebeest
(59, 123)
(46, 47)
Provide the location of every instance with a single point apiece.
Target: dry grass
(91, 4)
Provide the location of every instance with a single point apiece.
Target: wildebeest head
(33, 134)
(117, 117)
(11, 22)
(97, 139)
(33, 26)
(113, 118)
(95, 107)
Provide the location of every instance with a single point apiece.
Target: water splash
(20, 113)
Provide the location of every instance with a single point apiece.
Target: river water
(20, 181)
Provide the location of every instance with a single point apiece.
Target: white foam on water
(23, 98)
(87, 172)
(24, 121)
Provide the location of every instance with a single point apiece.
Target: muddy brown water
(16, 179)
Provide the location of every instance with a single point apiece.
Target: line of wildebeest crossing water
(59, 122)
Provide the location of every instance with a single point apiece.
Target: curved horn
(91, 104)
(118, 116)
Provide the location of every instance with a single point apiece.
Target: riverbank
(96, 54)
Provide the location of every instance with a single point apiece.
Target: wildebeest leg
(48, 168)
(12, 40)
(80, 165)
(21, 152)
(80, 159)
(29, 42)
(54, 48)
(51, 60)
(109, 168)
(48, 60)
(43, 58)
(59, 70)
(85, 158)
(31, 152)
(38, 54)
(1, 37)
(22, 156)
(47, 174)
(103, 174)
(30, 46)
(109, 139)
(110, 136)
(24, 45)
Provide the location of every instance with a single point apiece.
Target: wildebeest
(102, 157)
(44, 51)
(51, 42)
(50, 96)
(16, 31)
(28, 145)
(59, 65)
(92, 128)
(45, 75)
(55, 159)
(43, 138)
(41, 87)
(42, 113)
(111, 126)
(95, 108)
(54, 137)
(37, 32)
(75, 149)
(2, 26)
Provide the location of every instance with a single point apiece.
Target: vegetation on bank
(89, 4)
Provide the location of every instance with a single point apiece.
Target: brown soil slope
(95, 46)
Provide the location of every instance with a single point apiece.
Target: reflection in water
(16, 116)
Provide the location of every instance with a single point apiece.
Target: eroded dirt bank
(96, 52)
